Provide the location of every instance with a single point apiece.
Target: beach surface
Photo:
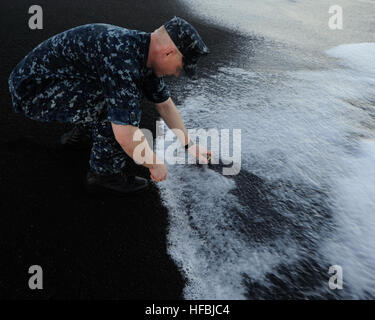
(302, 95)
(301, 90)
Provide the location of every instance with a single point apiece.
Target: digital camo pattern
(107, 156)
(79, 74)
(188, 41)
(92, 74)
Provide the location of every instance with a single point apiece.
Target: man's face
(169, 63)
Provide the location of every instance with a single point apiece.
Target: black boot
(78, 138)
(117, 184)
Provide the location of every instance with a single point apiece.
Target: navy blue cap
(188, 41)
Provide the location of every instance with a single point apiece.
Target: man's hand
(200, 153)
(124, 135)
(159, 172)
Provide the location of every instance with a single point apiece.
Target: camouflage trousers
(53, 101)
(107, 157)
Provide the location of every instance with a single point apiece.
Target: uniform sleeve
(121, 93)
(155, 89)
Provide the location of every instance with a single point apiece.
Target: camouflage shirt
(86, 72)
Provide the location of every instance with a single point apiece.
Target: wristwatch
(187, 146)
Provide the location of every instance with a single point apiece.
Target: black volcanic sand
(88, 247)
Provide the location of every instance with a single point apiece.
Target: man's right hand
(159, 172)
(124, 135)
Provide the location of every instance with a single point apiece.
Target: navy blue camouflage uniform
(90, 75)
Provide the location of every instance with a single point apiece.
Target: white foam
(353, 244)
(358, 56)
(204, 241)
(309, 136)
(290, 134)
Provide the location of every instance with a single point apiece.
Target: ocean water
(304, 199)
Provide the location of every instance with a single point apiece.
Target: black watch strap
(187, 146)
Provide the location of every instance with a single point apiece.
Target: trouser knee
(107, 156)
